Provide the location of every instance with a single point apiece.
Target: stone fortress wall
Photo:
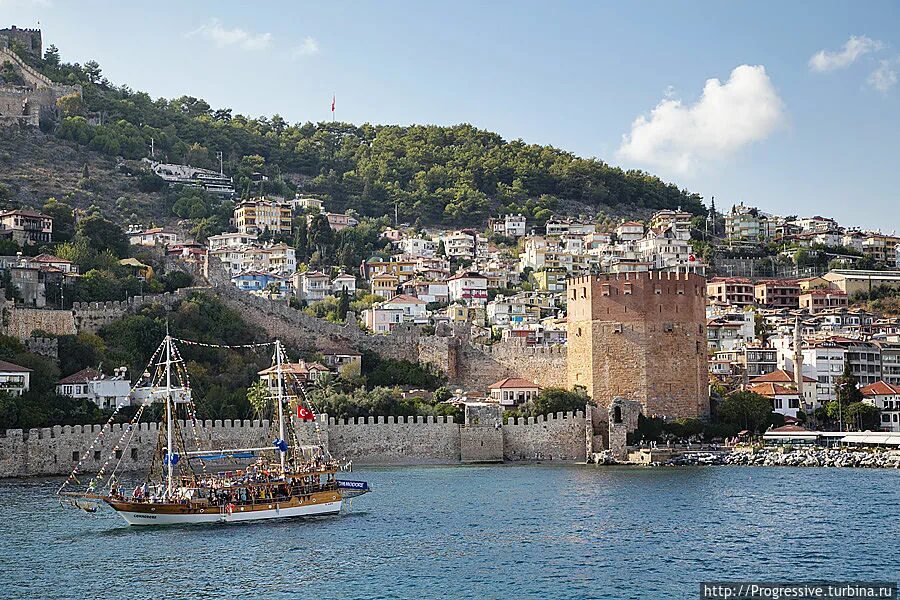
(27, 104)
(371, 441)
(468, 365)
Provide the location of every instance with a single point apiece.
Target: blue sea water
(512, 531)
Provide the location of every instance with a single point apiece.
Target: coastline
(789, 457)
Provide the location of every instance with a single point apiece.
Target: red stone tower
(641, 336)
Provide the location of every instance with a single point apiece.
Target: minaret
(798, 359)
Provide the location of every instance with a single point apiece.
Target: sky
(788, 106)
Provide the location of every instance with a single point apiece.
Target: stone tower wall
(641, 336)
(27, 39)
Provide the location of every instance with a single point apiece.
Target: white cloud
(309, 47)
(884, 77)
(215, 32)
(854, 48)
(728, 116)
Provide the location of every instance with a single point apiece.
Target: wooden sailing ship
(284, 480)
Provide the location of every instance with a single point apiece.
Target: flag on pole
(304, 414)
(332, 104)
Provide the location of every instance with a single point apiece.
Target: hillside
(433, 174)
(37, 166)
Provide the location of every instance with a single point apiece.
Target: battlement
(644, 275)
(411, 420)
(27, 38)
(559, 416)
(371, 440)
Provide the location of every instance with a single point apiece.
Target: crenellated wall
(392, 441)
(552, 437)
(21, 321)
(370, 441)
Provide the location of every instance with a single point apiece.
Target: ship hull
(328, 503)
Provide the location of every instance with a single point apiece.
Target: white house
(344, 283)
(630, 231)
(464, 244)
(470, 287)
(382, 320)
(418, 247)
(413, 308)
(307, 203)
(230, 240)
(886, 398)
(509, 225)
(90, 384)
(513, 391)
(312, 286)
(14, 379)
(156, 236)
(785, 401)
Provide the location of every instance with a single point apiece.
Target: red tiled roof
(788, 429)
(49, 258)
(513, 382)
(880, 388)
(405, 299)
(780, 376)
(81, 376)
(8, 367)
(771, 389)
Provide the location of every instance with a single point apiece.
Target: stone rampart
(544, 365)
(395, 440)
(552, 437)
(369, 441)
(19, 322)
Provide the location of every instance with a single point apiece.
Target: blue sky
(782, 129)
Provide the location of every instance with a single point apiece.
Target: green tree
(863, 416)
(63, 219)
(847, 387)
(259, 398)
(51, 55)
(552, 400)
(71, 105)
(103, 234)
(343, 305)
(92, 71)
(746, 409)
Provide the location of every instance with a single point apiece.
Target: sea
(504, 531)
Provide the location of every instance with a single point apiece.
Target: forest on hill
(434, 174)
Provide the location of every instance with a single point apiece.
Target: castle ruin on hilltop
(32, 96)
(640, 336)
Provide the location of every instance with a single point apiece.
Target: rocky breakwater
(794, 457)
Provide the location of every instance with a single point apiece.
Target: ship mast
(280, 376)
(169, 416)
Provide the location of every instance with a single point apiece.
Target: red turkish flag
(692, 258)
(304, 414)
(332, 104)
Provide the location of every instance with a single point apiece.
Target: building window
(96, 455)
(668, 327)
(118, 454)
(75, 457)
(134, 453)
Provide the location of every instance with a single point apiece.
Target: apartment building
(258, 215)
